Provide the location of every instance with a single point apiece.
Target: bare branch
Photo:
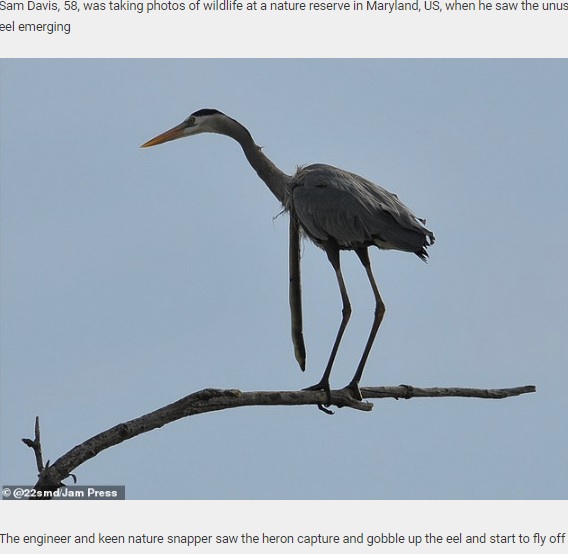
(211, 400)
(406, 391)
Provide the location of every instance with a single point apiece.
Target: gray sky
(133, 277)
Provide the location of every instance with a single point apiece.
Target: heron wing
(335, 204)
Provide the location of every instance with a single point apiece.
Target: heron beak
(172, 134)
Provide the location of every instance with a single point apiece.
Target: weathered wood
(212, 400)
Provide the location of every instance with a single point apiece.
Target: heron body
(334, 204)
(337, 210)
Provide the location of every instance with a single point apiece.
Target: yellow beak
(172, 134)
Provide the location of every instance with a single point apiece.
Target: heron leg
(332, 251)
(380, 309)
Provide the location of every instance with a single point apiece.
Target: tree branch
(211, 400)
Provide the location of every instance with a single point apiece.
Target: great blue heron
(337, 210)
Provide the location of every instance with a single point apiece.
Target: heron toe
(324, 386)
(353, 390)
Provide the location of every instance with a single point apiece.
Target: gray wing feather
(335, 204)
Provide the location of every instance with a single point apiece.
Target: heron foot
(324, 386)
(353, 390)
(409, 391)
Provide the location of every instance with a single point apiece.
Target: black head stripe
(205, 111)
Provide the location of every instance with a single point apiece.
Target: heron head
(206, 120)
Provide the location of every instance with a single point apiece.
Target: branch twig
(211, 400)
(36, 445)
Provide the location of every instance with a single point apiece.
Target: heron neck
(275, 179)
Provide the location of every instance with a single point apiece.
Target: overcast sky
(132, 277)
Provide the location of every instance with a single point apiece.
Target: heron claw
(409, 391)
(324, 386)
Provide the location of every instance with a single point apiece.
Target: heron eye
(191, 120)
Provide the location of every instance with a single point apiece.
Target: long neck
(275, 179)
